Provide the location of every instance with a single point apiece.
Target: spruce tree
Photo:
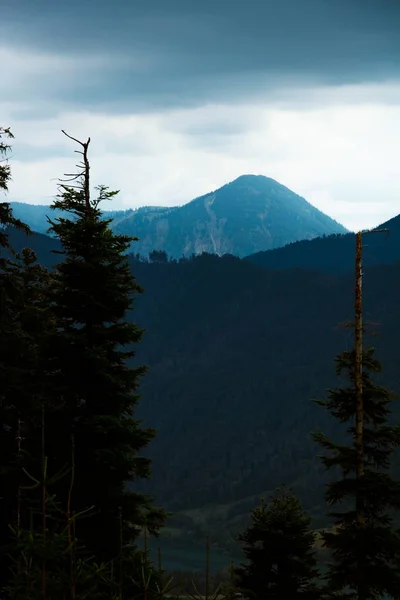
(94, 378)
(365, 557)
(278, 546)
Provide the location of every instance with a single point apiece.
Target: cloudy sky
(182, 96)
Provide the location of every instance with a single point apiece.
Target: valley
(222, 334)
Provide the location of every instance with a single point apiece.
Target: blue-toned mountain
(251, 214)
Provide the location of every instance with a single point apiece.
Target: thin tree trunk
(359, 372)
(19, 445)
(207, 567)
(44, 498)
(71, 539)
(362, 593)
(359, 414)
(121, 550)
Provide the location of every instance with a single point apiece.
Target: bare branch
(85, 169)
(83, 144)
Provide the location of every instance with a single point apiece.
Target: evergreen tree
(15, 363)
(25, 324)
(278, 546)
(94, 378)
(365, 557)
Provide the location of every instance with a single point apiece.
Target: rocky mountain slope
(251, 214)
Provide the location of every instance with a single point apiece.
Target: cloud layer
(181, 97)
(161, 54)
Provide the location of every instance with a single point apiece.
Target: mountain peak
(251, 179)
(263, 184)
(248, 215)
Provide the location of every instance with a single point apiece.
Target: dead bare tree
(358, 369)
(83, 175)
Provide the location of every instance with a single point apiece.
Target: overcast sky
(183, 96)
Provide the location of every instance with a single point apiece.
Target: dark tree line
(70, 443)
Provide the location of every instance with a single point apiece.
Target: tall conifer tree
(365, 557)
(92, 293)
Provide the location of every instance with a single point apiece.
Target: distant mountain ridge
(335, 253)
(251, 214)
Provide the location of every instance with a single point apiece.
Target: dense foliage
(279, 550)
(70, 442)
(91, 291)
(194, 352)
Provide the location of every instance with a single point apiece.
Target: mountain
(335, 253)
(236, 352)
(250, 214)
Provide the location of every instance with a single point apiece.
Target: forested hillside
(335, 253)
(235, 353)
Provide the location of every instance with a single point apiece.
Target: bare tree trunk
(358, 374)
(358, 381)
(44, 507)
(83, 176)
(207, 567)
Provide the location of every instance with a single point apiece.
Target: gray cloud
(122, 56)
(181, 96)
